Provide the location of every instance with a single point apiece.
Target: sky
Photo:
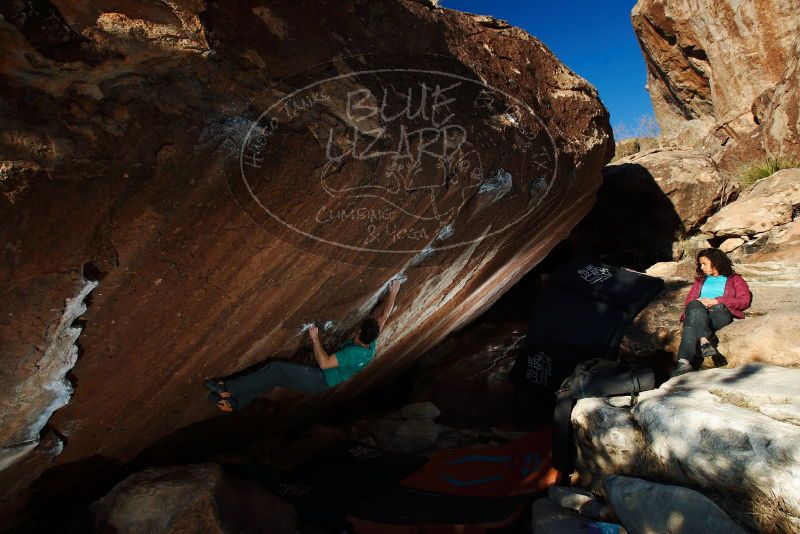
(594, 39)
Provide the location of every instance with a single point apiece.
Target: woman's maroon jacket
(736, 298)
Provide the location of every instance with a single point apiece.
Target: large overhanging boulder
(210, 178)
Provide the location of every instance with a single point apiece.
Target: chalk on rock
(303, 328)
(401, 277)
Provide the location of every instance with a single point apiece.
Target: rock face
(762, 220)
(222, 195)
(713, 67)
(194, 498)
(733, 431)
(767, 204)
(781, 125)
(646, 200)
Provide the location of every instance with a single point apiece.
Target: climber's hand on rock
(313, 332)
(394, 286)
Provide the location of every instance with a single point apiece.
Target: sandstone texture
(734, 432)
(648, 508)
(222, 178)
(722, 73)
(781, 124)
(762, 224)
(192, 498)
(762, 207)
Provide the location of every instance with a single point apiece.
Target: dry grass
(758, 508)
(774, 514)
(752, 172)
(735, 399)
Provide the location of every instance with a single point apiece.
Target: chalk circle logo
(378, 155)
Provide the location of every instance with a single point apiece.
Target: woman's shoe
(719, 360)
(681, 367)
(709, 351)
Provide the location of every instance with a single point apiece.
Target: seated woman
(717, 297)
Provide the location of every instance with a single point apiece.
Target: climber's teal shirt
(352, 358)
(713, 287)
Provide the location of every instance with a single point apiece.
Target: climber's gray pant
(699, 322)
(247, 388)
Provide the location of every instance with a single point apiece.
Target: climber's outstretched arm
(388, 303)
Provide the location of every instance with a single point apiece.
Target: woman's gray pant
(247, 388)
(699, 322)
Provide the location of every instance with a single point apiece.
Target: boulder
(648, 508)
(426, 411)
(684, 270)
(632, 145)
(407, 436)
(647, 201)
(207, 168)
(687, 178)
(780, 243)
(732, 431)
(688, 247)
(771, 338)
(193, 498)
(768, 203)
(731, 244)
(579, 500)
(550, 518)
(765, 217)
(608, 441)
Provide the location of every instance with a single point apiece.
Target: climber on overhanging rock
(235, 393)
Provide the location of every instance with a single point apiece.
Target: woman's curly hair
(719, 260)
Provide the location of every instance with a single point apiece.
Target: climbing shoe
(225, 404)
(217, 386)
